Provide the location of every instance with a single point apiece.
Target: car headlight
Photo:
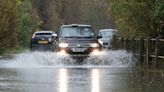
(63, 45)
(94, 45)
(95, 52)
(101, 42)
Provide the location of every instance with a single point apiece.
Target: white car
(107, 36)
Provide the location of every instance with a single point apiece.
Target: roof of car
(102, 30)
(44, 32)
(78, 25)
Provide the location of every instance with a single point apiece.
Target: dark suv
(77, 40)
(41, 40)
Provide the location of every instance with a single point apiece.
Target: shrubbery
(138, 17)
(18, 20)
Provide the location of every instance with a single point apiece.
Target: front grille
(105, 43)
(87, 51)
(79, 45)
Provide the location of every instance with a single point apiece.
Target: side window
(100, 34)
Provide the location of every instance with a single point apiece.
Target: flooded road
(38, 72)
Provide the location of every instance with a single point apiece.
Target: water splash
(118, 58)
(112, 58)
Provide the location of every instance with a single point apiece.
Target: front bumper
(106, 45)
(88, 52)
(41, 47)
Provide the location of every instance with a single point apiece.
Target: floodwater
(112, 71)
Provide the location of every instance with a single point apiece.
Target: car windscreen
(70, 32)
(106, 34)
(45, 35)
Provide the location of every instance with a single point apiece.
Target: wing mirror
(54, 35)
(99, 36)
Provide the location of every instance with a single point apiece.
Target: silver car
(107, 36)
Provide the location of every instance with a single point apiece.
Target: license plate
(78, 50)
(43, 42)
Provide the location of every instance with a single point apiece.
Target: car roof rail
(74, 25)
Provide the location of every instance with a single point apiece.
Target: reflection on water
(63, 80)
(95, 81)
(80, 80)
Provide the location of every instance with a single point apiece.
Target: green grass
(10, 51)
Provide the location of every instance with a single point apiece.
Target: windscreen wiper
(73, 37)
(88, 37)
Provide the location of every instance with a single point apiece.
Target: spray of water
(50, 59)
